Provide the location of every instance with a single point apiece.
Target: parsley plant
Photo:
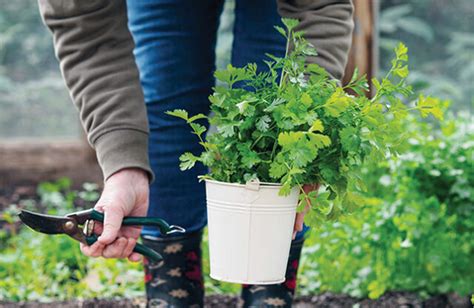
(303, 127)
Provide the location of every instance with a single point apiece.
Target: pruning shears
(71, 225)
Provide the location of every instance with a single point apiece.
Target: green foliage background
(414, 233)
(440, 37)
(33, 99)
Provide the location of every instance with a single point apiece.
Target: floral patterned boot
(276, 295)
(176, 281)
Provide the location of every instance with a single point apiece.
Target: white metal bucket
(250, 231)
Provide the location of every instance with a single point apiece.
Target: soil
(326, 300)
(14, 194)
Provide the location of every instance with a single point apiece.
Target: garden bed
(326, 300)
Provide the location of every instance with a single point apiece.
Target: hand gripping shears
(71, 225)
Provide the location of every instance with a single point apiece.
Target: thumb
(113, 217)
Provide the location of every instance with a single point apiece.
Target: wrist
(136, 175)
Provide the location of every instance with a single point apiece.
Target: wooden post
(363, 53)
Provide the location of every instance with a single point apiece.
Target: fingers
(115, 249)
(112, 224)
(310, 187)
(94, 250)
(131, 231)
(135, 257)
(122, 247)
(128, 250)
(298, 224)
(307, 188)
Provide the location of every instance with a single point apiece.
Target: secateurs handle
(164, 227)
(139, 248)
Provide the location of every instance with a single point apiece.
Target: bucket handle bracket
(253, 185)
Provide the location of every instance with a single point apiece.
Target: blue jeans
(175, 53)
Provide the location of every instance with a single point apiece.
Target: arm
(95, 51)
(327, 25)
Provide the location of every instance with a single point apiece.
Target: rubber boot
(276, 295)
(176, 281)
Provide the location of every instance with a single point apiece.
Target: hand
(125, 194)
(300, 216)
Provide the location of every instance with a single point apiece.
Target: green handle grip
(137, 221)
(139, 248)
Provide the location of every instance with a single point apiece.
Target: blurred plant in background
(33, 99)
(415, 232)
(440, 38)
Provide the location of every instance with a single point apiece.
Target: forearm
(328, 25)
(95, 50)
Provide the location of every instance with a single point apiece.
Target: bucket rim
(265, 184)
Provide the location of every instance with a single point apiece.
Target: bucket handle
(253, 185)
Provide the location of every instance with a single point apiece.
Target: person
(123, 77)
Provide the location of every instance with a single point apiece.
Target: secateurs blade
(80, 226)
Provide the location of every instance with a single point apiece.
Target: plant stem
(286, 55)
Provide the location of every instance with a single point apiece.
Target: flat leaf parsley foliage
(303, 127)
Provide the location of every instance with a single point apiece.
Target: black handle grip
(137, 221)
(139, 248)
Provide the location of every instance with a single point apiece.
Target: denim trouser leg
(175, 42)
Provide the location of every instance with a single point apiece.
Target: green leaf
(290, 23)
(317, 126)
(337, 103)
(277, 170)
(249, 158)
(188, 160)
(197, 117)
(198, 129)
(300, 155)
(430, 105)
(275, 103)
(317, 70)
(306, 99)
(401, 72)
(242, 106)
(401, 52)
(227, 130)
(179, 113)
(319, 140)
(217, 99)
(222, 75)
(285, 190)
(287, 139)
(281, 30)
(350, 139)
(262, 123)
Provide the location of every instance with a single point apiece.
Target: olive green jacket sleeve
(95, 51)
(328, 25)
